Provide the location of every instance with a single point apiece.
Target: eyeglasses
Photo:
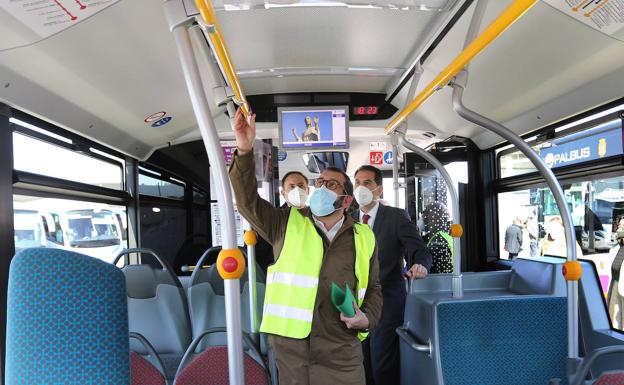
(331, 184)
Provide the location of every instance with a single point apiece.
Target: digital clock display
(365, 110)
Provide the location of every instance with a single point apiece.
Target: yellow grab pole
(498, 26)
(218, 43)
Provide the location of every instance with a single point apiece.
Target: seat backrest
(211, 367)
(207, 306)
(67, 320)
(504, 340)
(157, 309)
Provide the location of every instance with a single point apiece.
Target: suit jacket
(397, 239)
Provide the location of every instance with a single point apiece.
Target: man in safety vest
(315, 246)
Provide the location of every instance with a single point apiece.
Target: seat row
(74, 319)
(178, 320)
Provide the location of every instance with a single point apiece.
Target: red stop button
(230, 264)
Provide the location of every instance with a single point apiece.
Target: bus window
(597, 216)
(158, 186)
(88, 228)
(39, 157)
(388, 192)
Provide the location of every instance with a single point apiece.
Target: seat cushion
(611, 378)
(211, 367)
(143, 372)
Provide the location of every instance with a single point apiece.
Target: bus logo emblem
(602, 147)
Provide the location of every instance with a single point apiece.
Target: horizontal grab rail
(498, 26)
(223, 55)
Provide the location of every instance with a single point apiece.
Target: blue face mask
(322, 202)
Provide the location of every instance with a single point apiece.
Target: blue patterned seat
(67, 320)
(505, 340)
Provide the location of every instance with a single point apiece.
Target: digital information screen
(313, 127)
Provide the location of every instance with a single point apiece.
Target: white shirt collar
(331, 233)
(372, 213)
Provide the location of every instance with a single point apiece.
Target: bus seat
(484, 339)
(67, 320)
(210, 365)
(157, 309)
(502, 340)
(206, 299)
(148, 370)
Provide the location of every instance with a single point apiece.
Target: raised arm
(269, 221)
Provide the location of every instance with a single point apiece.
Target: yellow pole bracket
(456, 230)
(220, 49)
(498, 26)
(230, 264)
(250, 238)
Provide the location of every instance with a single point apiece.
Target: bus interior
(116, 134)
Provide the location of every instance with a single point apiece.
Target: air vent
(429, 135)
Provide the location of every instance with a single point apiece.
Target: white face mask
(297, 197)
(363, 196)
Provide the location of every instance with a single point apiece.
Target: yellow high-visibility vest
(292, 281)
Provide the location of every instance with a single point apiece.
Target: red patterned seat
(611, 378)
(142, 372)
(211, 367)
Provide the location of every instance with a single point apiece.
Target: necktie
(365, 218)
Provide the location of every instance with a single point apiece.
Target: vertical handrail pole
(210, 137)
(251, 240)
(555, 187)
(395, 170)
(458, 289)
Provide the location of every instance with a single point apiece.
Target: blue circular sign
(162, 121)
(282, 155)
(388, 157)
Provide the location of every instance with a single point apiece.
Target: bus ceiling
(110, 83)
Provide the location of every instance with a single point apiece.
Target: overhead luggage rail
(498, 26)
(221, 51)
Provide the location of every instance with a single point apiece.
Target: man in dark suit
(398, 239)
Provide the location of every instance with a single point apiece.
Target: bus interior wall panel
(7, 246)
(484, 173)
(42, 183)
(132, 208)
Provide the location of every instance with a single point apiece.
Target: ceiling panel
(323, 36)
(546, 58)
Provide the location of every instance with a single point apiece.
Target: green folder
(343, 299)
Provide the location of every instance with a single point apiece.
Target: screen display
(365, 110)
(315, 127)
